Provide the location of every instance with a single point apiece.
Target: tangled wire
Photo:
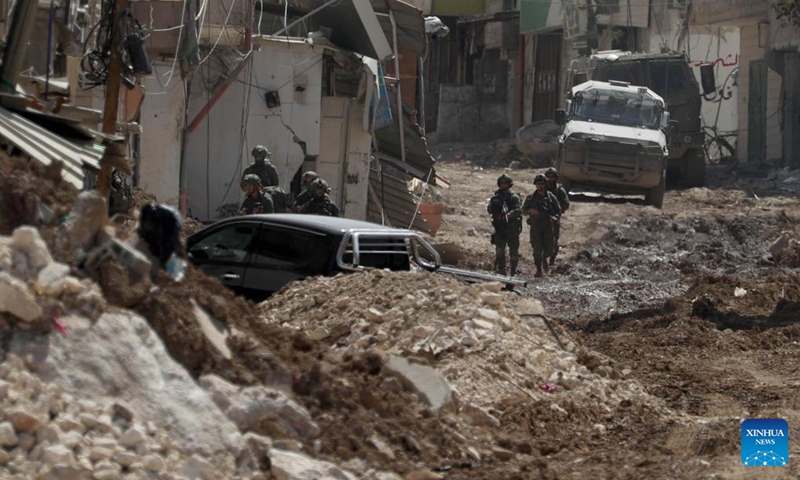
(96, 60)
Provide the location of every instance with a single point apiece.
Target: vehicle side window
(670, 78)
(230, 245)
(285, 248)
(624, 72)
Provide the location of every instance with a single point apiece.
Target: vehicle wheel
(694, 168)
(655, 196)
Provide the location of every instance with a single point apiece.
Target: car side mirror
(561, 117)
(708, 78)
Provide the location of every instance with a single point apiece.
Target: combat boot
(538, 273)
(545, 266)
(552, 260)
(513, 268)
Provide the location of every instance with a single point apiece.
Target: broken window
(617, 107)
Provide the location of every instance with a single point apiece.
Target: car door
(281, 254)
(225, 253)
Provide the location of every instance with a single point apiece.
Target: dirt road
(654, 290)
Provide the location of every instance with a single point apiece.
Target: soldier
(563, 201)
(262, 167)
(320, 203)
(256, 201)
(543, 209)
(505, 208)
(307, 179)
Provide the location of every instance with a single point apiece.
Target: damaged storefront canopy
(352, 24)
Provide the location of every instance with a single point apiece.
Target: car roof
(592, 84)
(621, 56)
(332, 225)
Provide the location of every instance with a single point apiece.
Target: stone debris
(296, 466)
(426, 381)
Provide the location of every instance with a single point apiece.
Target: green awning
(540, 15)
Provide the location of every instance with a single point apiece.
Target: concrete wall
(218, 150)
(463, 118)
(162, 136)
(753, 47)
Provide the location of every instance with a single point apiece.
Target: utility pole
(111, 108)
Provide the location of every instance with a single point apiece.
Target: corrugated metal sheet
(410, 24)
(393, 197)
(419, 161)
(80, 161)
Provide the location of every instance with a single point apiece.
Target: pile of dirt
(25, 185)
(495, 349)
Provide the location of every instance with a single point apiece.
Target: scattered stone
(382, 447)
(493, 299)
(473, 454)
(28, 241)
(154, 463)
(52, 277)
(97, 454)
(426, 381)
(480, 417)
(23, 421)
(295, 466)
(126, 459)
(58, 454)
(198, 467)
(374, 315)
(8, 437)
(318, 334)
(254, 405)
(423, 475)
(133, 437)
(14, 299)
(288, 445)
(502, 453)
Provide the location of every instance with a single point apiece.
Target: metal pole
(399, 90)
(422, 95)
(20, 28)
(304, 17)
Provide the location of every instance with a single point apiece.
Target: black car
(256, 255)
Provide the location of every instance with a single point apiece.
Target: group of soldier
(260, 183)
(543, 209)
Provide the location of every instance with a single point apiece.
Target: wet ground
(688, 299)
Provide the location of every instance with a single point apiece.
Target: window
(617, 107)
(228, 245)
(671, 79)
(283, 248)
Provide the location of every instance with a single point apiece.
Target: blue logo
(765, 442)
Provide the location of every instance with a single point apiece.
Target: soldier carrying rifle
(506, 212)
(543, 211)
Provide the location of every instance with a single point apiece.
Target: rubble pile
(485, 345)
(46, 433)
(785, 250)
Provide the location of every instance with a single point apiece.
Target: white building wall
(219, 149)
(162, 136)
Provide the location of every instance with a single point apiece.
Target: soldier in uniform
(543, 209)
(256, 201)
(320, 203)
(505, 207)
(262, 168)
(307, 179)
(563, 201)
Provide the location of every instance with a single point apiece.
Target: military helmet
(260, 151)
(319, 184)
(504, 179)
(539, 178)
(551, 171)
(310, 174)
(251, 179)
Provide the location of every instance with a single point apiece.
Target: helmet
(251, 179)
(311, 175)
(319, 184)
(539, 178)
(551, 171)
(504, 179)
(260, 151)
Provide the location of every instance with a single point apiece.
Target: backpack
(278, 199)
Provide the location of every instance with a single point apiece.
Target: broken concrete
(426, 381)
(215, 332)
(295, 466)
(128, 364)
(15, 299)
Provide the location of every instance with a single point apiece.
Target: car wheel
(655, 196)
(694, 168)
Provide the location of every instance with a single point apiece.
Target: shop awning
(410, 24)
(353, 24)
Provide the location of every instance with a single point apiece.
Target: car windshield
(617, 107)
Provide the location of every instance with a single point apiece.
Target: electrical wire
(219, 37)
